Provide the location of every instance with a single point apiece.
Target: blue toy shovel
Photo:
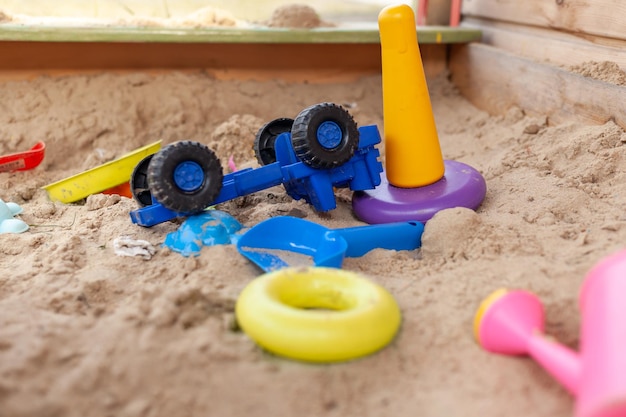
(289, 241)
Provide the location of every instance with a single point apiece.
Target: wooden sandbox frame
(295, 54)
(525, 51)
(504, 54)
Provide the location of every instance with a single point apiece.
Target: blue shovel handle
(395, 236)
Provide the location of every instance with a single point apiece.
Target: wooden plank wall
(527, 52)
(320, 63)
(604, 18)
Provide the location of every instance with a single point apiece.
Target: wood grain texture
(258, 61)
(598, 17)
(495, 80)
(556, 47)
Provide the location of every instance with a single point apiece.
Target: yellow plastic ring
(318, 314)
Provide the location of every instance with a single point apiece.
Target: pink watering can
(511, 323)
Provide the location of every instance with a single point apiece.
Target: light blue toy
(211, 227)
(7, 223)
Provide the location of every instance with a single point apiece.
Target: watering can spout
(558, 360)
(512, 323)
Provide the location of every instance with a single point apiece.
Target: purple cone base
(461, 186)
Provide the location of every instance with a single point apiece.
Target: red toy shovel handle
(23, 161)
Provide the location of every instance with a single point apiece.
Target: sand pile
(84, 332)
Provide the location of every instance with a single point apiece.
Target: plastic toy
(512, 322)
(412, 148)
(7, 223)
(211, 227)
(317, 314)
(417, 182)
(265, 242)
(321, 149)
(122, 189)
(23, 161)
(99, 179)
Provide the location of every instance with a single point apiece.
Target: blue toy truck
(320, 149)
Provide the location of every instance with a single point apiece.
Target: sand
(296, 16)
(85, 332)
(606, 71)
(204, 17)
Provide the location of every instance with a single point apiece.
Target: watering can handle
(395, 236)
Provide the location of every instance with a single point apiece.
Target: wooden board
(495, 80)
(366, 33)
(311, 62)
(598, 17)
(552, 46)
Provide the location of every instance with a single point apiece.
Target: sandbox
(86, 332)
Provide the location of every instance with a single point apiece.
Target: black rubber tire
(164, 187)
(304, 136)
(266, 137)
(139, 186)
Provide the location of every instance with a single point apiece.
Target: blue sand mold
(211, 227)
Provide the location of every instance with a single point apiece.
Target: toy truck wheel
(139, 183)
(185, 177)
(266, 138)
(324, 135)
